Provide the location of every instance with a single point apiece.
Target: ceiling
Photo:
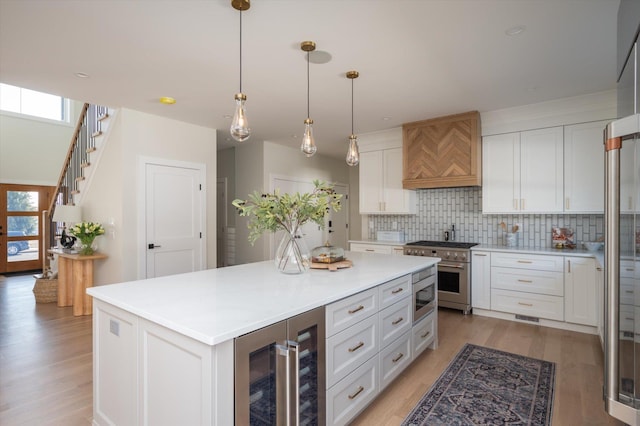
(417, 59)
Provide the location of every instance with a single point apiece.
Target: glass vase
(87, 248)
(292, 254)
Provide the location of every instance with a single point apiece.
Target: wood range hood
(443, 152)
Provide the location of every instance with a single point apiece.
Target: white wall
(32, 151)
(113, 197)
(256, 163)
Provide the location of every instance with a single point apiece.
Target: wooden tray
(332, 266)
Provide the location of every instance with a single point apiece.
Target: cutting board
(332, 266)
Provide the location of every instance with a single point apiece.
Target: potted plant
(288, 212)
(86, 232)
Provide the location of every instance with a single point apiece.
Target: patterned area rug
(483, 386)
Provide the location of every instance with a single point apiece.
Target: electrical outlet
(114, 327)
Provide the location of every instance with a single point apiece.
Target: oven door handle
(450, 265)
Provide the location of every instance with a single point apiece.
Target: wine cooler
(280, 373)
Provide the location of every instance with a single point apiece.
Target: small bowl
(593, 245)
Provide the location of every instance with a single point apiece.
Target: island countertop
(215, 305)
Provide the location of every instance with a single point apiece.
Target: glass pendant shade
(308, 146)
(240, 130)
(353, 154)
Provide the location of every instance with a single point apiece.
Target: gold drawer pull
(524, 261)
(425, 334)
(479, 254)
(629, 319)
(396, 291)
(369, 250)
(398, 358)
(356, 347)
(359, 308)
(525, 281)
(398, 321)
(360, 389)
(629, 291)
(525, 304)
(629, 269)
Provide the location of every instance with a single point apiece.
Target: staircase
(82, 157)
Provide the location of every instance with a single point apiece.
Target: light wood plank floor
(46, 364)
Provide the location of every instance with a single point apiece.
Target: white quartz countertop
(578, 252)
(216, 305)
(384, 243)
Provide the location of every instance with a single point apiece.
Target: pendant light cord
(352, 106)
(308, 85)
(240, 50)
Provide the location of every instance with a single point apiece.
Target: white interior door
(174, 208)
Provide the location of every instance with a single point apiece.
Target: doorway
(21, 208)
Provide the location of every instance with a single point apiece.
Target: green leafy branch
(272, 212)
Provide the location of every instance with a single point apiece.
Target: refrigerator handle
(287, 384)
(615, 133)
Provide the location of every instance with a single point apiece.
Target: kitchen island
(163, 347)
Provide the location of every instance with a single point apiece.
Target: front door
(21, 208)
(174, 207)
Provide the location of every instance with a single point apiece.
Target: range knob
(448, 255)
(455, 255)
(464, 256)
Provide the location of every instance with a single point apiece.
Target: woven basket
(46, 291)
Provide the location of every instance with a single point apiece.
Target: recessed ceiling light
(386, 118)
(166, 100)
(515, 30)
(82, 75)
(227, 116)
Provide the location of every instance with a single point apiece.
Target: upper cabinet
(553, 170)
(443, 152)
(380, 172)
(522, 172)
(584, 168)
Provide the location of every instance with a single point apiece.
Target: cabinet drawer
(533, 305)
(394, 290)
(371, 248)
(395, 358)
(530, 281)
(346, 312)
(347, 398)
(350, 348)
(627, 268)
(627, 318)
(528, 261)
(423, 334)
(395, 321)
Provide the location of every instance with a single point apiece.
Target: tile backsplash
(438, 209)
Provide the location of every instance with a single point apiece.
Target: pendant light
(353, 155)
(308, 146)
(239, 129)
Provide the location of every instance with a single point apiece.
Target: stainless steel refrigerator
(622, 230)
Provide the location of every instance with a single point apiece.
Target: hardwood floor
(46, 364)
(45, 360)
(578, 358)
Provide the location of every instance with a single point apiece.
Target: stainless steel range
(454, 277)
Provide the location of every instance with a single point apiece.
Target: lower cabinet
(371, 339)
(560, 288)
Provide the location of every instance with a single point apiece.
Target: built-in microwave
(424, 292)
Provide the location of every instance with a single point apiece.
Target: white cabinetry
(368, 345)
(380, 172)
(580, 279)
(376, 248)
(148, 374)
(522, 172)
(584, 168)
(481, 279)
(526, 284)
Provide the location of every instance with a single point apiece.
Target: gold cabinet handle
(356, 347)
(525, 281)
(353, 395)
(425, 334)
(359, 308)
(369, 250)
(598, 269)
(525, 261)
(396, 291)
(525, 304)
(398, 321)
(398, 358)
(479, 254)
(569, 265)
